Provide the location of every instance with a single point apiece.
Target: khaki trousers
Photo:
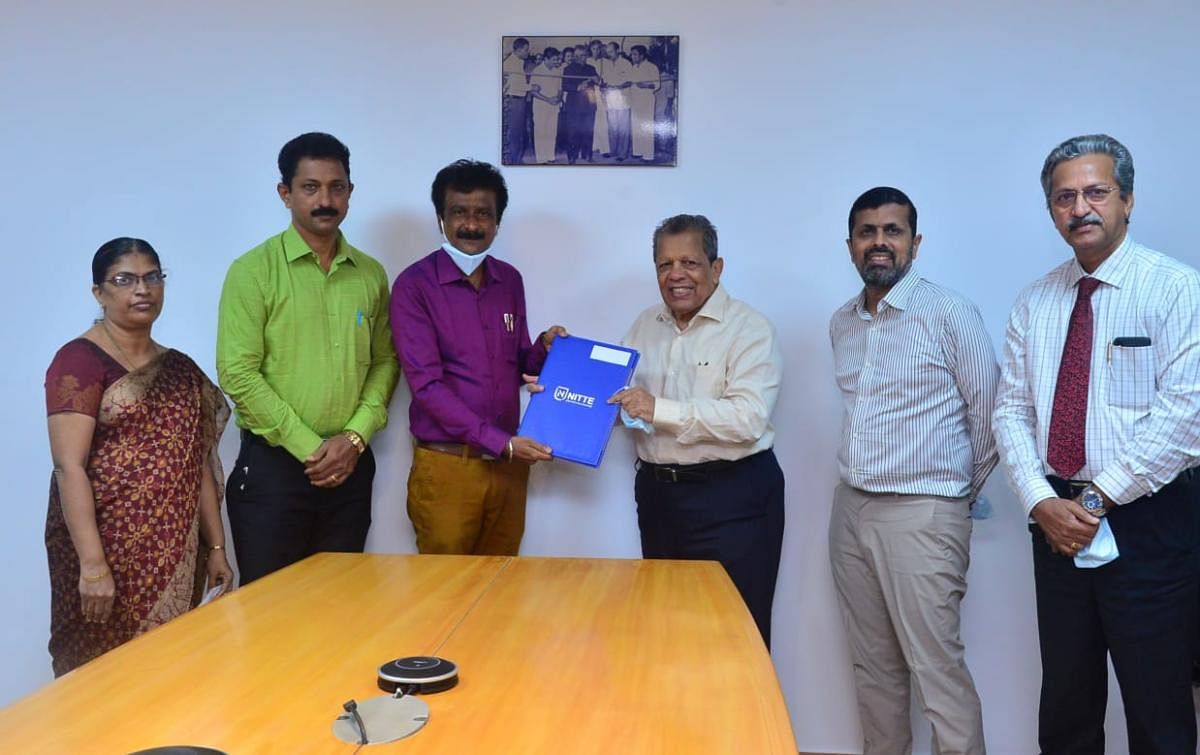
(899, 565)
(466, 506)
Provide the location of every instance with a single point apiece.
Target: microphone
(351, 707)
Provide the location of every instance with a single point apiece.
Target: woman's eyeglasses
(152, 279)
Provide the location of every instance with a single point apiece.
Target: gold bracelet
(509, 448)
(95, 578)
(356, 440)
(216, 547)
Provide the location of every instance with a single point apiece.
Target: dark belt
(1067, 488)
(456, 449)
(685, 472)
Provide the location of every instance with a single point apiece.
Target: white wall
(134, 118)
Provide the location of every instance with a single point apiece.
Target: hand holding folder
(638, 403)
(520, 447)
(571, 413)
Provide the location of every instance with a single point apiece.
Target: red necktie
(1068, 417)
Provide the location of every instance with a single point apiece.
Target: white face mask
(468, 263)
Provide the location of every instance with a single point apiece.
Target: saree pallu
(156, 436)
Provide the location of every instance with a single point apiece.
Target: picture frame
(589, 100)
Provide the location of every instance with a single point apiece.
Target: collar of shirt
(713, 309)
(1113, 271)
(295, 247)
(896, 298)
(448, 272)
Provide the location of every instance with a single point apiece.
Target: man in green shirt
(305, 351)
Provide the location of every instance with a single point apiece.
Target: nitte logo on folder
(572, 415)
(563, 393)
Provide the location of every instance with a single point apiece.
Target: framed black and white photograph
(580, 100)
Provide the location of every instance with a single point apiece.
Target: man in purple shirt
(460, 333)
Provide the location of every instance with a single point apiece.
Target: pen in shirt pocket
(1127, 342)
(359, 318)
(508, 322)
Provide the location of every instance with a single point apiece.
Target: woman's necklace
(126, 362)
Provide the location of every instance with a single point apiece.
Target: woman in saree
(133, 530)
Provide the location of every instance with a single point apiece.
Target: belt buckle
(674, 474)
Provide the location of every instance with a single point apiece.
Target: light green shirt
(305, 354)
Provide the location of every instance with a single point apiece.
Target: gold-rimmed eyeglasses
(1091, 194)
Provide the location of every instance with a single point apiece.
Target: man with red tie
(1098, 424)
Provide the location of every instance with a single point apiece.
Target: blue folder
(572, 415)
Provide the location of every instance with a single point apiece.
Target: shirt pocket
(508, 328)
(363, 327)
(707, 378)
(1131, 374)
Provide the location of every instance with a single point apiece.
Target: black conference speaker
(418, 674)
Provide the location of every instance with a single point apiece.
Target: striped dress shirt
(1143, 417)
(918, 382)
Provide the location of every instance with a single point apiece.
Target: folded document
(572, 415)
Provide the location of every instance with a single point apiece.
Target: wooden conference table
(555, 656)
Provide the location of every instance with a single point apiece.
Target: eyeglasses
(1092, 195)
(152, 279)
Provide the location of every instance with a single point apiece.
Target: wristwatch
(356, 440)
(1092, 501)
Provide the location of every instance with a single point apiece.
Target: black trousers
(580, 120)
(277, 517)
(1141, 609)
(733, 515)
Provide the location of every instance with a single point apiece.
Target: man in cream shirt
(708, 485)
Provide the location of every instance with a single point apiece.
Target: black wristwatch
(1092, 501)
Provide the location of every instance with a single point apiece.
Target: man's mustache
(467, 235)
(322, 212)
(879, 250)
(1092, 218)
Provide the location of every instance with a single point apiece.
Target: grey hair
(677, 224)
(1091, 144)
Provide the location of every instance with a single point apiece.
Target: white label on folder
(612, 356)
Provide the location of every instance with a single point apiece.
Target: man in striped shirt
(1098, 422)
(918, 378)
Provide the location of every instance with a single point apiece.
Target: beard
(878, 276)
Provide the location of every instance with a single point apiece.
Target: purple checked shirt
(463, 351)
